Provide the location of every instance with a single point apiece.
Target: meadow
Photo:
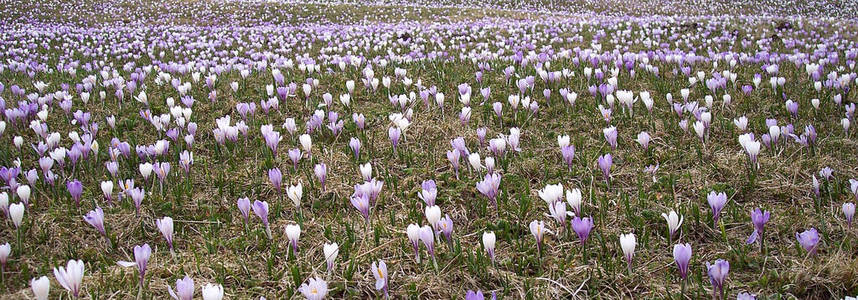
(488, 149)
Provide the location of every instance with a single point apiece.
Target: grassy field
(70, 67)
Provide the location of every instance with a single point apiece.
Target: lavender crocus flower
(809, 240)
(453, 157)
(582, 227)
(361, 203)
(184, 289)
(445, 226)
(428, 192)
(605, 162)
(260, 208)
(759, 219)
(295, 156)
(165, 225)
(276, 179)
(427, 236)
(682, 255)
(489, 187)
(394, 134)
(568, 153)
(355, 144)
(321, 172)
(717, 275)
(96, 219)
(717, 201)
(244, 208)
(75, 189)
(141, 259)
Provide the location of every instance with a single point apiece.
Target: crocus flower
(582, 227)
(551, 193)
(260, 208)
(413, 232)
(453, 157)
(96, 219)
(315, 289)
(244, 208)
(574, 198)
(293, 233)
(674, 221)
(428, 192)
(717, 275)
(628, 243)
(849, 213)
(24, 192)
(489, 244)
(331, 251)
(445, 226)
(184, 289)
(141, 259)
(75, 189)
(568, 153)
(295, 193)
(321, 172)
(355, 144)
(489, 187)
(137, 195)
(471, 295)
(165, 225)
(276, 178)
(746, 296)
(605, 162)
(107, 190)
(643, 139)
(682, 255)
(394, 133)
(427, 236)
(809, 240)
(537, 229)
(5, 250)
(41, 287)
(759, 219)
(381, 280)
(71, 277)
(361, 203)
(16, 213)
(295, 156)
(212, 292)
(611, 136)
(717, 201)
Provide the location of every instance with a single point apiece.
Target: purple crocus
(321, 172)
(682, 255)
(582, 227)
(96, 219)
(445, 226)
(244, 208)
(75, 189)
(276, 178)
(759, 219)
(605, 162)
(184, 289)
(295, 156)
(379, 271)
(717, 201)
(717, 275)
(394, 133)
(568, 153)
(141, 259)
(355, 144)
(260, 208)
(427, 236)
(428, 192)
(809, 240)
(453, 157)
(361, 203)
(489, 187)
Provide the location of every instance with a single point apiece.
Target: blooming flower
(141, 259)
(293, 233)
(809, 240)
(96, 219)
(682, 255)
(315, 289)
(628, 243)
(759, 219)
(849, 213)
(718, 274)
(381, 280)
(184, 289)
(212, 292)
(71, 277)
(674, 221)
(331, 251)
(413, 232)
(41, 287)
(717, 201)
(537, 229)
(582, 227)
(489, 244)
(165, 225)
